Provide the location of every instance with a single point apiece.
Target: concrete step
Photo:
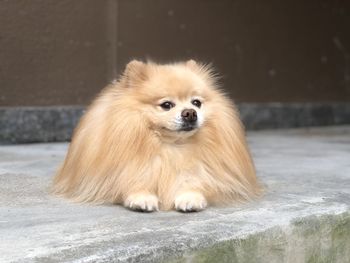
(303, 217)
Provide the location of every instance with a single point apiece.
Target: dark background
(63, 52)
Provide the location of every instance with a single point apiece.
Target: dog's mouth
(184, 128)
(187, 128)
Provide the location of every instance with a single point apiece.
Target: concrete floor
(304, 216)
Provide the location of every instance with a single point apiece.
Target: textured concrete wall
(266, 50)
(63, 52)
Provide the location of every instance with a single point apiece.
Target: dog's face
(180, 115)
(175, 98)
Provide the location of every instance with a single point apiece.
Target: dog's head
(175, 99)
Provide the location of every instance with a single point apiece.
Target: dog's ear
(206, 71)
(196, 66)
(135, 72)
(192, 65)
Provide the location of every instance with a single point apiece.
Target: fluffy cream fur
(126, 148)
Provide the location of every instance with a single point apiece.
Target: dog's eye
(167, 105)
(197, 103)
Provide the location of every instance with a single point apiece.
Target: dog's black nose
(189, 115)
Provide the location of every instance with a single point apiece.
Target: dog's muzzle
(189, 118)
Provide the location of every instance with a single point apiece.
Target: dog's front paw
(142, 202)
(190, 202)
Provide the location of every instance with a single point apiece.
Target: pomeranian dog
(161, 137)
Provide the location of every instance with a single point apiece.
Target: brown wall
(63, 52)
(52, 52)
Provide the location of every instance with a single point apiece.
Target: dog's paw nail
(190, 201)
(142, 202)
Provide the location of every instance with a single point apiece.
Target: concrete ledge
(304, 216)
(55, 124)
(290, 115)
(38, 124)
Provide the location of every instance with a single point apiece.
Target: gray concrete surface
(304, 216)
